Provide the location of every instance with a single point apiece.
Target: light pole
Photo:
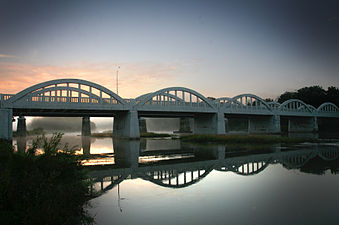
(117, 82)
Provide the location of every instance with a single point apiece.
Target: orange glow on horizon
(134, 79)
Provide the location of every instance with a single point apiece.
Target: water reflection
(189, 164)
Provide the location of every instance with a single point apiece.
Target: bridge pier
(303, 124)
(209, 123)
(86, 145)
(21, 127)
(126, 124)
(6, 124)
(86, 126)
(142, 125)
(184, 125)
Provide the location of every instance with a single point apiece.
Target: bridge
(80, 98)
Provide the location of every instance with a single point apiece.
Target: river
(166, 181)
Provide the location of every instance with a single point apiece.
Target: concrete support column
(126, 124)
(209, 123)
(6, 124)
(275, 128)
(184, 126)
(226, 125)
(86, 126)
(21, 127)
(86, 145)
(315, 124)
(142, 125)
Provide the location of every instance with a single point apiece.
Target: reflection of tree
(318, 166)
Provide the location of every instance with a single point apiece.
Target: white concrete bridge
(74, 97)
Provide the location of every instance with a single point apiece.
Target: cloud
(134, 79)
(7, 56)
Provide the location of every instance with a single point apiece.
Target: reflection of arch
(295, 105)
(175, 96)
(115, 180)
(67, 91)
(328, 107)
(329, 154)
(250, 102)
(176, 179)
(248, 168)
(296, 161)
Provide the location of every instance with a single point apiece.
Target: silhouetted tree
(314, 95)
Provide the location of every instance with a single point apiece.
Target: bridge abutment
(6, 124)
(126, 124)
(86, 126)
(21, 127)
(209, 123)
(303, 124)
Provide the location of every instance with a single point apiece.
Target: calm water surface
(164, 181)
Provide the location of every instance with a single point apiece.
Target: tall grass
(49, 188)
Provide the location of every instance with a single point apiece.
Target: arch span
(175, 96)
(250, 101)
(295, 105)
(328, 107)
(61, 90)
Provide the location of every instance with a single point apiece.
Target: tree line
(313, 95)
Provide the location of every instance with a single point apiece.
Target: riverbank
(245, 139)
(51, 187)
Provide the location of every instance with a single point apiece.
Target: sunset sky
(218, 48)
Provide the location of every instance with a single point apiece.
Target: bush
(50, 188)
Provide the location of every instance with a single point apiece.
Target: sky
(217, 48)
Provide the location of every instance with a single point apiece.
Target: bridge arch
(328, 107)
(61, 90)
(175, 96)
(250, 101)
(295, 105)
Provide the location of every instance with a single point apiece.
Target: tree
(314, 95)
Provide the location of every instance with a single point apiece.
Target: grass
(49, 188)
(244, 139)
(150, 134)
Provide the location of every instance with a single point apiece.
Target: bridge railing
(5, 97)
(177, 103)
(60, 99)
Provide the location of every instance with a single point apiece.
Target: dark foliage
(42, 189)
(314, 95)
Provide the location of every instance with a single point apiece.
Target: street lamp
(117, 82)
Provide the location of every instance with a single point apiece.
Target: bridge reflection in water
(183, 165)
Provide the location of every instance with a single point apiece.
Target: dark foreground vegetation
(244, 139)
(48, 188)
